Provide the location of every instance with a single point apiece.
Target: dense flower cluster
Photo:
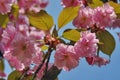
(25, 5)
(68, 3)
(5, 6)
(87, 45)
(32, 5)
(65, 57)
(21, 43)
(101, 17)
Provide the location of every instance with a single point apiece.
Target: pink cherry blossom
(14, 62)
(36, 34)
(96, 60)
(32, 5)
(87, 45)
(22, 20)
(22, 47)
(104, 16)
(65, 57)
(8, 34)
(43, 3)
(68, 3)
(116, 24)
(22, 24)
(5, 6)
(84, 18)
(37, 58)
(2, 74)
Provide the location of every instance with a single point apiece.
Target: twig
(24, 74)
(48, 59)
(40, 66)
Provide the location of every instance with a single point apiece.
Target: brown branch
(48, 59)
(40, 66)
(24, 74)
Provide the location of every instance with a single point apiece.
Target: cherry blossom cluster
(68, 56)
(24, 5)
(102, 17)
(20, 42)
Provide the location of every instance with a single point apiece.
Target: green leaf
(15, 11)
(3, 20)
(108, 42)
(41, 20)
(116, 8)
(1, 65)
(67, 15)
(15, 75)
(71, 34)
(44, 47)
(95, 3)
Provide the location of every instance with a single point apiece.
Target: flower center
(24, 47)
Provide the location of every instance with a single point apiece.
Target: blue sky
(84, 71)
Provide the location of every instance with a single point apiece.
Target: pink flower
(43, 3)
(96, 60)
(20, 41)
(37, 58)
(22, 20)
(32, 5)
(14, 62)
(5, 6)
(87, 45)
(22, 24)
(36, 34)
(65, 57)
(84, 18)
(2, 74)
(22, 47)
(8, 34)
(17, 44)
(104, 16)
(68, 3)
(116, 24)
